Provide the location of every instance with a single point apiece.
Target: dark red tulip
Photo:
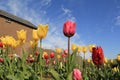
(1, 44)
(30, 60)
(97, 55)
(36, 53)
(1, 60)
(52, 55)
(46, 56)
(69, 28)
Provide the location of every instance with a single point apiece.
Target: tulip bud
(46, 56)
(36, 53)
(1, 60)
(79, 49)
(84, 49)
(1, 45)
(69, 28)
(66, 52)
(97, 56)
(58, 50)
(74, 46)
(63, 55)
(52, 55)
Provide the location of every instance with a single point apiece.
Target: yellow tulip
(88, 60)
(74, 46)
(58, 50)
(42, 31)
(84, 49)
(115, 69)
(33, 44)
(21, 35)
(118, 57)
(30, 55)
(90, 47)
(34, 35)
(79, 49)
(111, 61)
(9, 41)
(105, 60)
(58, 57)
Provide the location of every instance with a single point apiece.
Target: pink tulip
(54, 62)
(69, 28)
(77, 75)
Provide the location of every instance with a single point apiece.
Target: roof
(17, 19)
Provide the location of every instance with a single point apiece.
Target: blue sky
(98, 21)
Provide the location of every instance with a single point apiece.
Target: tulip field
(61, 64)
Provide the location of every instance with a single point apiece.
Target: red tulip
(52, 55)
(1, 44)
(97, 55)
(1, 60)
(69, 28)
(46, 56)
(36, 53)
(63, 55)
(66, 52)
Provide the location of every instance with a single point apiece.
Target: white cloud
(117, 21)
(68, 13)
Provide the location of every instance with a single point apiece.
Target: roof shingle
(17, 19)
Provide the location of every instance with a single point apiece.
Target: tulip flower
(105, 60)
(36, 53)
(1, 45)
(1, 60)
(21, 35)
(63, 55)
(98, 55)
(46, 56)
(58, 50)
(69, 28)
(52, 55)
(58, 57)
(34, 44)
(88, 60)
(79, 49)
(74, 46)
(118, 57)
(77, 75)
(34, 35)
(42, 31)
(90, 47)
(115, 69)
(54, 62)
(84, 49)
(30, 60)
(66, 52)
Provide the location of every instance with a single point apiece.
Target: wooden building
(9, 24)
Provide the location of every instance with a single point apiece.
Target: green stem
(40, 59)
(68, 52)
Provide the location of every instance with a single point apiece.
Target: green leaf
(69, 77)
(55, 74)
